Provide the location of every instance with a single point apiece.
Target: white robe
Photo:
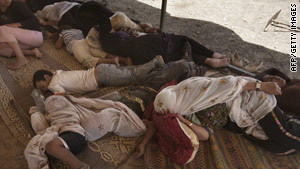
(246, 108)
(107, 116)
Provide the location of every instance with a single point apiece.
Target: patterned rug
(223, 150)
(111, 151)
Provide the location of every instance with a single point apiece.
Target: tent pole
(162, 14)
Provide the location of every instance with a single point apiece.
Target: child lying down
(66, 126)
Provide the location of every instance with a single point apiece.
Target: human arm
(151, 130)
(201, 132)
(267, 87)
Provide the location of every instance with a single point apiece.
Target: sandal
(187, 49)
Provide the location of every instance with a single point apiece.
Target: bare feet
(160, 59)
(18, 64)
(37, 53)
(217, 62)
(116, 60)
(218, 55)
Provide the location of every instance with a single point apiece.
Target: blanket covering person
(198, 93)
(92, 118)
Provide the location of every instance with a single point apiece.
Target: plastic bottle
(114, 96)
(39, 99)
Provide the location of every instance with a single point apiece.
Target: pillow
(176, 140)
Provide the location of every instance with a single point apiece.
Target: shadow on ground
(212, 35)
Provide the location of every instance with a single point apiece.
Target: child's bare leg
(151, 130)
(217, 62)
(21, 60)
(57, 150)
(126, 60)
(109, 61)
(32, 52)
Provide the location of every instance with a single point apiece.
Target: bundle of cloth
(92, 118)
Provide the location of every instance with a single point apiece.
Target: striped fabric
(70, 36)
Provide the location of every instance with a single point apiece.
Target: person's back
(59, 82)
(79, 81)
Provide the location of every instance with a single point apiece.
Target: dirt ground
(224, 26)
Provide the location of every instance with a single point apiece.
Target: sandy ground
(224, 26)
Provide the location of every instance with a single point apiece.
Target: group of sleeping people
(264, 108)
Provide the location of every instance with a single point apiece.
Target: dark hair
(39, 76)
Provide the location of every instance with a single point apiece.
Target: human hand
(13, 25)
(270, 88)
(270, 78)
(139, 150)
(164, 111)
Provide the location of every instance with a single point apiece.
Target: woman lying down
(67, 124)
(249, 103)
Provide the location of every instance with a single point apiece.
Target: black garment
(283, 136)
(290, 98)
(91, 13)
(35, 5)
(18, 12)
(280, 140)
(76, 142)
(69, 18)
(143, 49)
(88, 15)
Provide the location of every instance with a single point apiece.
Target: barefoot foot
(18, 64)
(160, 59)
(37, 53)
(216, 63)
(218, 55)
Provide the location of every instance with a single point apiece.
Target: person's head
(5, 3)
(41, 79)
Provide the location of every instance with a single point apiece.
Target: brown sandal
(187, 49)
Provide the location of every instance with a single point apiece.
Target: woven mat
(16, 86)
(223, 150)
